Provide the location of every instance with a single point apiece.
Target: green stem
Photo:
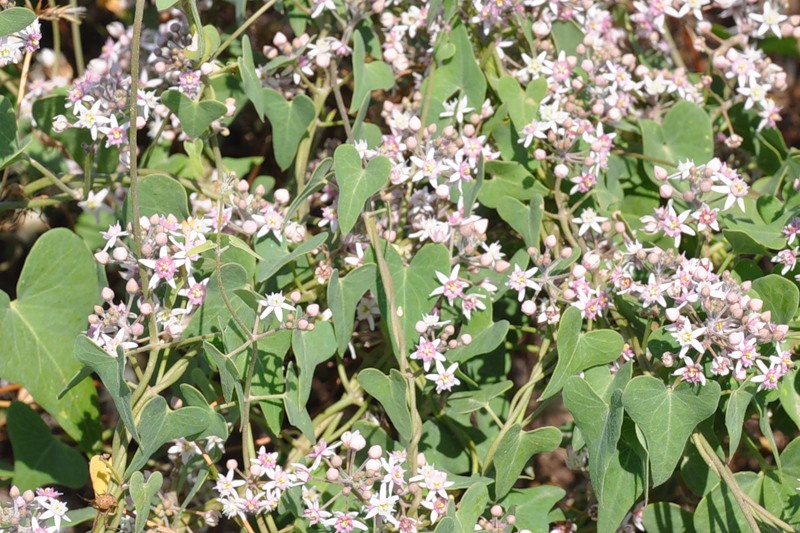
(263, 9)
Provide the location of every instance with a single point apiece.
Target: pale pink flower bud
(443, 191)
(665, 191)
(660, 173)
(550, 241)
(497, 511)
(162, 239)
(102, 257)
(375, 451)
(673, 314)
(146, 309)
(420, 327)
(230, 107)
(107, 294)
(60, 124)
(249, 227)
(539, 154)
(28, 496)
(756, 304)
(668, 359)
(501, 266)
(373, 465)
(132, 287)
(591, 261)
(579, 271)
(332, 474)
(466, 339)
(566, 252)
(529, 307)
(120, 253)
(561, 171)
(312, 310)
(282, 196)
(569, 294)
(295, 232)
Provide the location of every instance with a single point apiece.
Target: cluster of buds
(379, 486)
(33, 511)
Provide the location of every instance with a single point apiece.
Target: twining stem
(749, 507)
(399, 335)
(337, 93)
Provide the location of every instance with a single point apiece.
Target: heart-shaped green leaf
(268, 376)
(57, 290)
(290, 122)
(464, 402)
(685, 133)
(578, 351)
(142, 494)
(39, 457)
(390, 391)
(367, 77)
(600, 424)
(250, 79)
(195, 117)
(207, 318)
(312, 347)
(458, 72)
(274, 255)
(343, 297)
(15, 19)
(357, 184)
(217, 427)
(159, 194)
(111, 371)
(514, 451)
(667, 418)
(486, 341)
(735, 411)
(413, 285)
(780, 297)
(158, 424)
(667, 517)
(532, 505)
(525, 219)
(9, 147)
(296, 410)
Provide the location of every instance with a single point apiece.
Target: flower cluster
(379, 486)
(22, 42)
(38, 512)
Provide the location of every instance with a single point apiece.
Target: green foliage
(40, 458)
(684, 133)
(195, 117)
(367, 77)
(56, 291)
(667, 417)
(356, 183)
(515, 449)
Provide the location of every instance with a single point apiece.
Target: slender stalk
(716, 464)
(337, 93)
(235, 35)
(77, 45)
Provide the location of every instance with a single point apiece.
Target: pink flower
(452, 287)
(691, 373)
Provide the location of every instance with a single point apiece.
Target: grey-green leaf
(142, 494)
(40, 458)
(391, 392)
(367, 77)
(195, 117)
(667, 418)
(514, 451)
(56, 291)
(112, 373)
(578, 351)
(290, 122)
(356, 183)
(343, 297)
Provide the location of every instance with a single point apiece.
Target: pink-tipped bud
(756, 304)
(550, 241)
(466, 339)
(666, 191)
(673, 314)
(660, 173)
(107, 294)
